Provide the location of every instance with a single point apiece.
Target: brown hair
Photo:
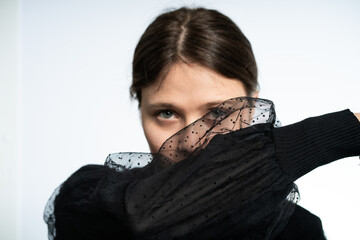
(193, 36)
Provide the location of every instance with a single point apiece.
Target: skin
(187, 93)
(358, 116)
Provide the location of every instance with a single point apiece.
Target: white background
(65, 71)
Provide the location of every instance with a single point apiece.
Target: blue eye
(166, 114)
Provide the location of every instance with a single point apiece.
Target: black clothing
(235, 181)
(302, 225)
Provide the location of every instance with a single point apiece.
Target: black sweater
(97, 202)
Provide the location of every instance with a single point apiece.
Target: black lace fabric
(217, 178)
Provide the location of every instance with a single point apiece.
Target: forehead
(190, 84)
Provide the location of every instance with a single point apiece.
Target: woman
(220, 168)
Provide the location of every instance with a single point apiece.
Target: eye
(166, 114)
(216, 113)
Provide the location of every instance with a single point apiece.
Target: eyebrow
(213, 103)
(159, 105)
(164, 105)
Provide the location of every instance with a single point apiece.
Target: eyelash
(213, 113)
(219, 114)
(158, 113)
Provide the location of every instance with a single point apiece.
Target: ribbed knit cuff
(313, 142)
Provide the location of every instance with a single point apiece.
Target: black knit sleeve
(316, 141)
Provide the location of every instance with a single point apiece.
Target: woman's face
(187, 93)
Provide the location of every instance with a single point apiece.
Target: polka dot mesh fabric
(217, 178)
(231, 115)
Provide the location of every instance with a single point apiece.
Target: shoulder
(302, 225)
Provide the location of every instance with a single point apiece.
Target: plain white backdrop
(67, 92)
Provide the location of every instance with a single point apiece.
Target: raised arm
(237, 175)
(316, 141)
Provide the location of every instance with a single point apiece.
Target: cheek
(155, 136)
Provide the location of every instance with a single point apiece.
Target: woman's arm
(316, 141)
